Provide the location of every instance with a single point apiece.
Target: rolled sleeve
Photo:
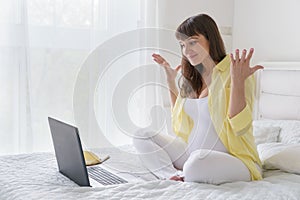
(241, 122)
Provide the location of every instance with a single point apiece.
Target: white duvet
(35, 176)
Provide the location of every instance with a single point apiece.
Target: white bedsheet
(35, 176)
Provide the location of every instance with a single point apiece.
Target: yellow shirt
(235, 133)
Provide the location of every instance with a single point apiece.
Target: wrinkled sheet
(35, 176)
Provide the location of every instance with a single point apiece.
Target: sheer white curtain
(15, 109)
(42, 46)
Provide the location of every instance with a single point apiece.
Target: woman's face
(195, 49)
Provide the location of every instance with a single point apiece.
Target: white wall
(271, 27)
(173, 12)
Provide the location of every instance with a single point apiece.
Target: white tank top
(203, 135)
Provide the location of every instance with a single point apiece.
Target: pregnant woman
(211, 112)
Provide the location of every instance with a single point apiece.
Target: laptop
(70, 158)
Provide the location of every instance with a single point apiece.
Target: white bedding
(35, 176)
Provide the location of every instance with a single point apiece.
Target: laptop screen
(68, 151)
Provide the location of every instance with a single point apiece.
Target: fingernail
(237, 50)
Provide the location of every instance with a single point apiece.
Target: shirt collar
(223, 64)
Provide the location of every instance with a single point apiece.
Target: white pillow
(265, 134)
(267, 150)
(280, 156)
(287, 160)
(290, 129)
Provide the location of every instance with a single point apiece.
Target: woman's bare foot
(177, 178)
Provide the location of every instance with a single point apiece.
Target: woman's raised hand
(171, 73)
(240, 66)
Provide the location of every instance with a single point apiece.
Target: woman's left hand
(240, 66)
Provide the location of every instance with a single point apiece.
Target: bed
(35, 176)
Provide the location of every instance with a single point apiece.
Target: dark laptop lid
(68, 151)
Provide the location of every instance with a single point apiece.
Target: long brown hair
(191, 81)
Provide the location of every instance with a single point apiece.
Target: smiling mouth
(193, 56)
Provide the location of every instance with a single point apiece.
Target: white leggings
(163, 154)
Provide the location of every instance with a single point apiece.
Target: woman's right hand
(171, 73)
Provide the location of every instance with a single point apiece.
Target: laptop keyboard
(104, 177)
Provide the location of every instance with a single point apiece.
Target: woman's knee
(194, 167)
(207, 166)
(143, 133)
(142, 137)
